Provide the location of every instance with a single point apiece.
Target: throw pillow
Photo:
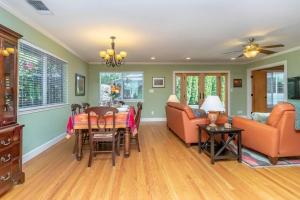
(260, 117)
(199, 113)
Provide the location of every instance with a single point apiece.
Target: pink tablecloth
(123, 120)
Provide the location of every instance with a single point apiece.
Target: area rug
(256, 160)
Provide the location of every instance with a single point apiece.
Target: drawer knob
(5, 178)
(5, 160)
(5, 143)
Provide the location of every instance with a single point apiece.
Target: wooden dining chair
(85, 106)
(137, 120)
(75, 110)
(104, 132)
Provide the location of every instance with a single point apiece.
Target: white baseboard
(38, 150)
(162, 119)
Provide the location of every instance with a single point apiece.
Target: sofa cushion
(277, 113)
(185, 108)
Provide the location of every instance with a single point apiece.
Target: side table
(218, 151)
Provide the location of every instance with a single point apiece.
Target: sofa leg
(188, 145)
(273, 160)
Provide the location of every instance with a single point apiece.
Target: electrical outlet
(152, 112)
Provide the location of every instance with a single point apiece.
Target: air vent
(40, 7)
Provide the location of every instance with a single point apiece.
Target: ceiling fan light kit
(110, 57)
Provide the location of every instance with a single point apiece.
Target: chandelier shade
(110, 57)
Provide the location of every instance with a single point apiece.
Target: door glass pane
(192, 90)
(275, 85)
(223, 88)
(178, 86)
(210, 83)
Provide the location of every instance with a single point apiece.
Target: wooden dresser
(10, 131)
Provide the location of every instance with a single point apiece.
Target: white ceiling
(170, 30)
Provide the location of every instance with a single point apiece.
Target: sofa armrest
(201, 121)
(258, 136)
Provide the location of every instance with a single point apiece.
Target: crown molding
(173, 63)
(38, 28)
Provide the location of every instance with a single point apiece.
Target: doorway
(192, 88)
(267, 88)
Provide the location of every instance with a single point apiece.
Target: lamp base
(213, 117)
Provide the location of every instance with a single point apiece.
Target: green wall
(40, 127)
(156, 101)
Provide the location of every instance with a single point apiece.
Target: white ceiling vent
(40, 7)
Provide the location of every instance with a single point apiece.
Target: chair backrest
(277, 113)
(138, 114)
(85, 105)
(122, 103)
(75, 109)
(104, 117)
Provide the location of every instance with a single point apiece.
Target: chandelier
(251, 50)
(110, 57)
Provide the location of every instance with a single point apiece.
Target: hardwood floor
(164, 169)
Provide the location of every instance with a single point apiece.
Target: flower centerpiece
(115, 91)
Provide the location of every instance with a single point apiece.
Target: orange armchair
(276, 138)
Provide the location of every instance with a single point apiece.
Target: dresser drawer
(9, 154)
(5, 179)
(6, 137)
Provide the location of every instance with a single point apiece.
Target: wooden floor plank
(164, 169)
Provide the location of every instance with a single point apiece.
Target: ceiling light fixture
(153, 58)
(233, 58)
(6, 51)
(110, 57)
(188, 58)
(251, 51)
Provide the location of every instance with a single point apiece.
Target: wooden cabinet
(10, 131)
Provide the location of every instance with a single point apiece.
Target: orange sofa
(276, 138)
(182, 121)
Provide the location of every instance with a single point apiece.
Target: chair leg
(91, 153)
(137, 142)
(113, 154)
(118, 145)
(273, 160)
(76, 143)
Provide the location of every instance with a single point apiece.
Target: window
(130, 86)
(275, 85)
(42, 79)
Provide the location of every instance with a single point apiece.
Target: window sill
(26, 111)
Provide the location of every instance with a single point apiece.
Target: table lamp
(213, 106)
(173, 98)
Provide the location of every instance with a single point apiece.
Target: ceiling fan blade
(264, 51)
(240, 56)
(273, 46)
(233, 52)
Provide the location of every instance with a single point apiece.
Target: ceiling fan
(252, 49)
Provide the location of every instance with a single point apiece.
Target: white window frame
(125, 100)
(23, 111)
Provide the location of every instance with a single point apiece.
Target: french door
(193, 88)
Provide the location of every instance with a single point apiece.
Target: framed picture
(158, 82)
(237, 83)
(79, 85)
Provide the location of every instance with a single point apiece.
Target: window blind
(42, 79)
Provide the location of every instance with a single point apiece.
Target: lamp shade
(173, 98)
(213, 104)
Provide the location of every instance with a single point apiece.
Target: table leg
(199, 139)
(212, 149)
(79, 148)
(127, 143)
(239, 147)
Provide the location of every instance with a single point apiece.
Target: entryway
(267, 87)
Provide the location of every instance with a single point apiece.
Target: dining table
(78, 124)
